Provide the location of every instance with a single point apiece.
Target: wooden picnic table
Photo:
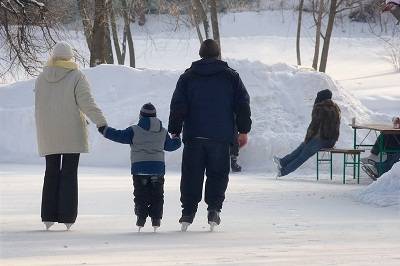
(384, 129)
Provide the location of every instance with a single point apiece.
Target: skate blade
(212, 226)
(139, 229)
(155, 228)
(184, 226)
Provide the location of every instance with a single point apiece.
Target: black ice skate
(155, 222)
(140, 222)
(234, 165)
(213, 219)
(185, 221)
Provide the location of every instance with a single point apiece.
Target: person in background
(323, 132)
(372, 163)
(148, 140)
(62, 100)
(234, 153)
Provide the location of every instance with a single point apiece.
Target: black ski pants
(60, 188)
(234, 151)
(148, 196)
(212, 158)
(390, 141)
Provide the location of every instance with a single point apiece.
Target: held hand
(175, 136)
(242, 140)
(101, 129)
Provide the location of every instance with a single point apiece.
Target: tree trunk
(127, 30)
(87, 23)
(214, 22)
(196, 22)
(97, 55)
(327, 40)
(117, 48)
(299, 32)
(108, 45)
(318, 34)
(198, 7)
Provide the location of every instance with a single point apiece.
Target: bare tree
(318, 34)
(214, 23)
(199, 9)
(333, 9)
(97, 51)
(126, 12)
(120, 54)
(299, 21)
(25, 34)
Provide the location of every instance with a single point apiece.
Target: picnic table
(383, 129)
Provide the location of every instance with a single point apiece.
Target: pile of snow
(385, 191)
(281, 99)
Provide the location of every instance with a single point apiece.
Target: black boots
(234, 165)
(213, 217)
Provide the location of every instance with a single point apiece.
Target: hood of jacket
(152, 124)
(208, 67)
(57, 70)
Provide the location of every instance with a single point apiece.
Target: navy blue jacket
(209, 99)
(126, 137)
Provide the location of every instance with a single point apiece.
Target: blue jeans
(294, 160)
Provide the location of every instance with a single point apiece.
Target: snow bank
(385, 191)
(281, 98)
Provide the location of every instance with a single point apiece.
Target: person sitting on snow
(323, 132)
(148, 140)
(371, 164)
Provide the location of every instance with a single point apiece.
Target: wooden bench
(355, 162)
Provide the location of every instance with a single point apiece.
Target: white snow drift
(385, 191)
(281, 99)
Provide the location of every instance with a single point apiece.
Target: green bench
(325, 156)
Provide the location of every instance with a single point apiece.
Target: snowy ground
(264, 222)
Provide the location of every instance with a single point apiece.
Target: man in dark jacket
(323, 132)
(208, 100)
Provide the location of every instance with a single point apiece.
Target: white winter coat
(62, 97)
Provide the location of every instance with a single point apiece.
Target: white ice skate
(68, 225)
(139, 229)
(184, 226)
(155, 228)
(212, 226)
(48, 225)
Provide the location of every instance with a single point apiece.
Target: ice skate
(213, 219)
(155, 223)
(372, 159)
(185, 221)
(68, 225)
(48, 225)
(140, 223)
(370, 170)
(277, 161)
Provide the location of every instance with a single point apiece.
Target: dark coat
(208, 100)
(325, 123)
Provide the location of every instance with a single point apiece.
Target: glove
(101, 129)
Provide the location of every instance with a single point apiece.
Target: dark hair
(209, 49)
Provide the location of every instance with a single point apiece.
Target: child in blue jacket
(148, 140)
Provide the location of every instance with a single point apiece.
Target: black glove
(101, 129)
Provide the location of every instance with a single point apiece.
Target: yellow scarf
(67, 64)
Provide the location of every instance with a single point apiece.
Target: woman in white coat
(62, 102)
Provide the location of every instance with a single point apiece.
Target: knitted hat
(323, 95)
(148, 110)
(209, 49)
(62, 50)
